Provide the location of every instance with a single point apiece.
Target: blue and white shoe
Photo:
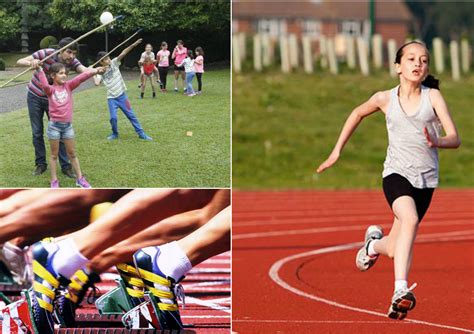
(113, 136)
(164, 291)
(45, 285)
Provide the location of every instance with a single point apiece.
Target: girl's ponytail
(431, 82)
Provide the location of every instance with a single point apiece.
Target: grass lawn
(172, 159)
(284, 126)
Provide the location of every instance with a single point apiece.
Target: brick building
(322, 17)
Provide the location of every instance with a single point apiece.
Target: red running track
(293, 264)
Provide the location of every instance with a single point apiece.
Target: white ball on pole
(106, 17)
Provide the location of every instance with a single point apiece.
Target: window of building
(351, 28)
(272, 27)
(311, 28)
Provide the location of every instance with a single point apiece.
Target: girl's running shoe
(403, 300)
(82, 182)
(363, 260)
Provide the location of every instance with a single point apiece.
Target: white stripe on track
(206, 303)
(273, 273)
(323, 230)
(322, 321)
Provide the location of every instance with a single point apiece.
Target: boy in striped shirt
(116, 92)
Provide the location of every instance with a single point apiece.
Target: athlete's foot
(363, 260)
(403, 300)
(164, 291)
(68, 302)
(16, 261)
(133, 283)
(45, 284)
(113, 136)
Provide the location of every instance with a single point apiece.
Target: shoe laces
(179, 294)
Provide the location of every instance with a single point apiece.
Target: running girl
(148, 68)
(60, 116)
(199, 67)
(412, 111)
(179, 53)
(163, 57)
(188, 64)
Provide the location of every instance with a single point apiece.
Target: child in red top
(148, 69)
(60, 116)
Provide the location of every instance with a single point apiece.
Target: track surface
(293, 261)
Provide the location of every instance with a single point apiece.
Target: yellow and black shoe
(68, 302)
(133, 283)
(164, 291)
(45, 285)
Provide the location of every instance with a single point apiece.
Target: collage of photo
(236, 166)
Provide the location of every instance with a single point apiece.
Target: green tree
(151, 15)
(9, 25)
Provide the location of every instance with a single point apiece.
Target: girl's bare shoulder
(381, 99)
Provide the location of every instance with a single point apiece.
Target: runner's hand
(432, 141)
(331, 160)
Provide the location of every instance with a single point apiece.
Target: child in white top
(188, 64)
(147, 53)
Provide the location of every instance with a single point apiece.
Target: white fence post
(236, 57)
(333, 68)
(465, 56)
(242, 46)
(293, 46)
(257, 52)
(377, 52)
(284, 54)
(455, 68)
(392, 50)
(438, 55)
(323, 51)
(350, 49)
(363, 55)
(307, 54)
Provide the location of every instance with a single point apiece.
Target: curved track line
(273, 273)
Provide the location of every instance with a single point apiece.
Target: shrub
(2, 65)
(48, 42)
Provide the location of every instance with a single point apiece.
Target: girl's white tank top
(408, 153)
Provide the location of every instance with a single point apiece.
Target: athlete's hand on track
(333, 157)
(432, 141)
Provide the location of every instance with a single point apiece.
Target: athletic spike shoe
(164, 291)
(363, 260)
(70, 300)
(133, 283)
(45, 284)
(17, 262)
(403, 300)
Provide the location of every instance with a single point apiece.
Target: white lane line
(324, 230)
(209, 304)
(194, 285)
(273, 273)
(205, 316)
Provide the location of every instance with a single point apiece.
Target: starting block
(116, 301)
(141, 316)
(17, 317)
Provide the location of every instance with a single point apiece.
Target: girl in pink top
(60, 116)
(163, 57)
(179, 53)
(199, 67)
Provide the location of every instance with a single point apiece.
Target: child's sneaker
(192, 94)
(164, 291)
(176, 89)
(112, 136)
(67, 303)
(55, 184)
(185, 90)
(363, 260)
(154, 94)
(144, 136)
(403, 300)
(82, 182)
(45, 285)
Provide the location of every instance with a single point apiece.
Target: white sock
(371, 249)
(68, 259)
(401, 284)
(173, 261)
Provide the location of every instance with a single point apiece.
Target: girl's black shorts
(395, 185)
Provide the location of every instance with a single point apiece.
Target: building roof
(325, 10)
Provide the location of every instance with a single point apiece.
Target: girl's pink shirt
(199, 68)
(164, 58)
(180, 55)
(60, 96)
